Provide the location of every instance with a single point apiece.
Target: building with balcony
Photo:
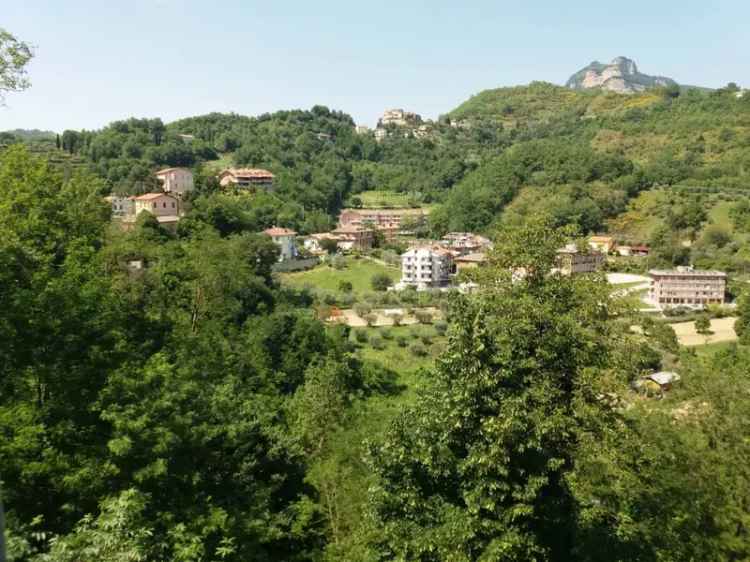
(425, 267)
(685, 286)
(246, 178)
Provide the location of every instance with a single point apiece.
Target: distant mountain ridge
(621, 76)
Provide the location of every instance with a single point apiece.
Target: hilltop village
(369, 231)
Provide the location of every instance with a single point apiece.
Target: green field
(225, 161)
(358, 272)
(402, 362)
(711, 349)
(377, 199)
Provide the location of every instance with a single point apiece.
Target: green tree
(742, 324)
(381, 281)
(703, 324)
(476, 469)
(14, 56)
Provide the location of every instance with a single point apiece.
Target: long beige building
(246, 178)
(686, 286)
(380, 218)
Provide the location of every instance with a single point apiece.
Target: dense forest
(164, 397)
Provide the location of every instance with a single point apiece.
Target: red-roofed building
(246, 178)
(284, 238)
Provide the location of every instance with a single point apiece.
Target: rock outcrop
(621, 76)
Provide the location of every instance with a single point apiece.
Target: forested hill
(584, 155)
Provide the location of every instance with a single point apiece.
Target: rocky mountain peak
(621, 76)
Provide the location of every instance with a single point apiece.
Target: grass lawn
(357, 272)
(711, 349)
(376, 198)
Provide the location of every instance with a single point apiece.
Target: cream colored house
(164, 207)
(177, 181)
(158, 204)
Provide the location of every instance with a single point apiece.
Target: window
(164, 205)
(173, 204)
(153, 205)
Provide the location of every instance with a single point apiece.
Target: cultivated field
(722, 331)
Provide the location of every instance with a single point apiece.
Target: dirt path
(384, 317)
(722, 328)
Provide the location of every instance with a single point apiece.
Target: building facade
(686, 286)
(399, 118)
(246, 178)
(466, 242)
(164, 207)
(177, 181)
(122, 206)
(603, 244)
(354, 237)
(469, 261)
(284, 238)
(426, 267)
(158, 204)
(572, 260)
(383, 219)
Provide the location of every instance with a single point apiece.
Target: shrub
(426, 339)
(397, 319)
(329, 299)
(418, 350)
(423, 316)
(338, 262)
(360, 336)
(377, 342)
(441, 327)
(362, 309)
(402, 341)
(345, 286)
(381, 281)
(371, 319)
(387, 334)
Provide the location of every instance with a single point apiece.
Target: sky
(103, 60)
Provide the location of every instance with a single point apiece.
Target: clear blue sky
(97, 61)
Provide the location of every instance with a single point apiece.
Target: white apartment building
(425, 267)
